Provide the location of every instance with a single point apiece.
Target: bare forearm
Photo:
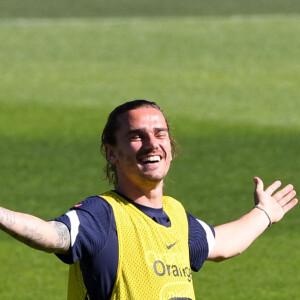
(271, 205)
(235, 237)
(35, 232)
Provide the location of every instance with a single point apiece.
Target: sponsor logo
(162, 269)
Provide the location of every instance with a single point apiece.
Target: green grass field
(230, 88)
(129, 8)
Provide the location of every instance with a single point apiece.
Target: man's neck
(150, 195)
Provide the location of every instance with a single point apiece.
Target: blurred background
(142, 8)
(226, 74)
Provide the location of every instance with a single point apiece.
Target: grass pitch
(130, 8)
(230, 87)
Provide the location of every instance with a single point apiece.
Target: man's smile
(151, 159)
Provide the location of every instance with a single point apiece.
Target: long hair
(112, 126)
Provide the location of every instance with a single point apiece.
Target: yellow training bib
(154, 260)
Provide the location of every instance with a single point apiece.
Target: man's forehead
(143, 116)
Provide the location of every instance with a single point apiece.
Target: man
(134, 242)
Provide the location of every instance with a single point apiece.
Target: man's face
(143, 149)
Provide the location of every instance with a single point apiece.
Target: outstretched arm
(235, 237)
(52, 237)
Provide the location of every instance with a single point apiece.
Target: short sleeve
(201, 241)
(89, 223)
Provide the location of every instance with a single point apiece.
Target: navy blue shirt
(94, 242)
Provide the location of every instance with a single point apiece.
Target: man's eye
(135, 137)
(162, 134)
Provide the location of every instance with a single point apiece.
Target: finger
(273, 187)
(287, 198)
(259, 184)
(280, 194)
(290, 205)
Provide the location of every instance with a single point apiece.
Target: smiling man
(141, 154)
(133, 242)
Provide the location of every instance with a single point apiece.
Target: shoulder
(201, 241)
(90, 223)
(93, 212)
(90, 213)
(199, 226)
(92, 204)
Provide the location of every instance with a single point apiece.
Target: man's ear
(110, 154)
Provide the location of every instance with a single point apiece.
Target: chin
(154, 178)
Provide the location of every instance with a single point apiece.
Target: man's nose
(150, 141)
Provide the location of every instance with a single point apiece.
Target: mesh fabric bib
(153, 259)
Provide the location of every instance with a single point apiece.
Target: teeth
(151, 158)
